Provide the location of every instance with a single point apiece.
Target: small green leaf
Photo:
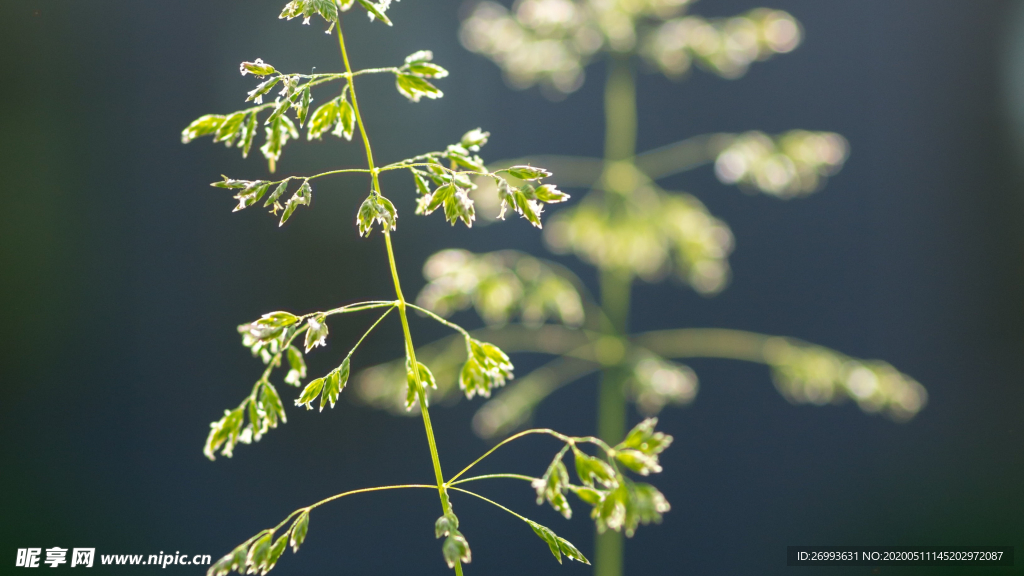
(302, 197)
(426, 378)
(275, 552)
(445, 525)
(326, 9)
(281, 188)
(231, 183)
(259, 551)
(228, 130)
(506, 196)
(590, 469)
(201, 127)
(376, 208)
(461, 156)
(589, 495)
(571, 551)
(278, 319)
(427, 70)
(278, 133)
(322, 119)
(248, 134)
(612, 513)
(282, 106)
(299, 529)
(316, 334)
(474, 139)
(643, 438)
(528, 172)
(553, 485)
(422, 188)
(346, 121)
(419, 57)
(297, 365)
(255, 419)
(272, 405)
(310, 393)
(334, 383)
(638, 462)
(414, 87)
(549, 537)
(260, 90)
(251, 194)
(303, 105)
(647, 506)
(550, 194)
(332, 389)
(529, 209)
(486, 367)
(387, 215)
(257, 68)
(376, 11)
(367, 214)
(457, 207)
(456, 549)
(440, 195)
(234, 560)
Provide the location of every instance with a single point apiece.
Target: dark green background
(123, 275)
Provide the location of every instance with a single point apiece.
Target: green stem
(620, 110)
(485, 499)
(492, 476)
(616, 285)
(420, 390)
(410, 349)
(441, 320)
(370, 329)
(547, 431)
(335, 497)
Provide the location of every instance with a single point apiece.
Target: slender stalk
(420, 391)
(620, 148)
(364, 490)
(492, 476)
(369, 330)
(485, 499)
(410, 349)
(620, 110)
(548, 431)
(337, 496)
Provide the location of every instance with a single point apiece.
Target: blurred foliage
(550, 42)
(629, 227)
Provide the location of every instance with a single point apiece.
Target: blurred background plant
(629, 228)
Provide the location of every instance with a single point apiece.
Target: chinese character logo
(56, 556)
(83, 557)
(28, 557)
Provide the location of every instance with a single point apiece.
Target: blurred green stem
(616, 285)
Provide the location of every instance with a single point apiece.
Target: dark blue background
(124, 274)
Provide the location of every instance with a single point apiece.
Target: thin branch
(485, 499)
(362, 490)
(683, 155)
(356, 307)
(451, 325)
(706, 343)
(333, 172)
(335, 497)
(547, 431)
(490, 476)
(370, 329)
